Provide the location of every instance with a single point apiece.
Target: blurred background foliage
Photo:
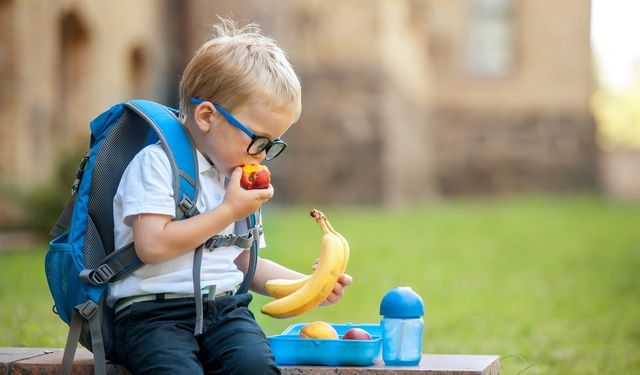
(618, 115)
(40, 205)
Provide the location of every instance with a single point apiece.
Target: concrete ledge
(23, 361)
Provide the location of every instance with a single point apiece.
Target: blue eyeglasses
(258, 144)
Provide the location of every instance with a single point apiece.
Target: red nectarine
(255, 176)
(356, 334)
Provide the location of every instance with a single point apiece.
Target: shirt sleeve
(146, 185)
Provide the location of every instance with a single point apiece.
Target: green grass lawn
(551, 283)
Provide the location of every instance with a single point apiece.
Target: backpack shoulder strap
(179, 148)
(181, 153)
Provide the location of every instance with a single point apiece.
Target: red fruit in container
(356, 334)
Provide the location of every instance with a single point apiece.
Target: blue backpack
(82, 260)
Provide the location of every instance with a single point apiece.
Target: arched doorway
(74, 69)
(138, 66)
(7, 88)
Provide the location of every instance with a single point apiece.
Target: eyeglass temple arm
(227, 116)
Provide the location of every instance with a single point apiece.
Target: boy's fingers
(338, 290)
(268, 192)
(262, 194)
(235, 175)
(345, 279)
(336, 294)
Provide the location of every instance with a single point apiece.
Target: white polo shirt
(146, 188)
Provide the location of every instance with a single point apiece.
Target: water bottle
(402, 326)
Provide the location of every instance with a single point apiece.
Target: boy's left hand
(338, 289)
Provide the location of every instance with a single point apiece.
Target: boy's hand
(243, 202)
(338, 289)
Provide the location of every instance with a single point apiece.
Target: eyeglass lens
(259, 144)
(275, 150)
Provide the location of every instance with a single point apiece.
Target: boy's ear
(204, 115)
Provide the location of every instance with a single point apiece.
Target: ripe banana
(345, 244)
(278, 288)
(315, 288)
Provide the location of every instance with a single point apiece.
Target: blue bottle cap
(401, 302)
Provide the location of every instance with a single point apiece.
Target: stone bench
(23, 361)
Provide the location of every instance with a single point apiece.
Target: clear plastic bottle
(402, 326)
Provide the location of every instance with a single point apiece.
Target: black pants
(156, 337)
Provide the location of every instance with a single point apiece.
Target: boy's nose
(260, 157)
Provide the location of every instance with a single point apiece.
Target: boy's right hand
(243, 202)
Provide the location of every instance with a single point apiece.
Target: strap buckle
(218, 241)
(255, 232)
(234, 240)
(98, 276)
(103, 273)
(87, 309)
(187, 207)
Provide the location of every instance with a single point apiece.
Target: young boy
(238, 78)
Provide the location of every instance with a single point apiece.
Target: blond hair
(237, 65)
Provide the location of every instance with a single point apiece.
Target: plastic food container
(289, 349)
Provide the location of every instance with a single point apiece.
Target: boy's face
(226, 145)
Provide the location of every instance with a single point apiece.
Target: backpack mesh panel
(93, 258)
(125, 139)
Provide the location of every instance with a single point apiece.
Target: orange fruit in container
(318, 330)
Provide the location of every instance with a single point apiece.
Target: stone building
(62, 62)
(406, 100)
(403, 100)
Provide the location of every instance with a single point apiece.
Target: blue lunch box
(289, 349)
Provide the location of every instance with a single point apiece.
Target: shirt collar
(203, 163)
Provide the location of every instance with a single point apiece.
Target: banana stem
(319, 215)
(321, 220)
(330, 226)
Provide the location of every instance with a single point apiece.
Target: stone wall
(485, 153)
(67, 61)
(334, 153)
(550, 70)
